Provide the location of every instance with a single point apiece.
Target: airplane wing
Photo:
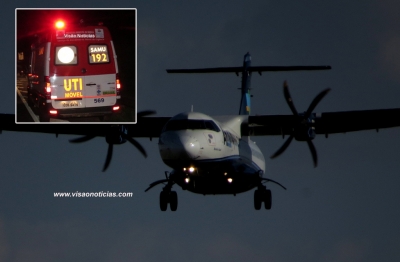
(262, 125)
(251, 69)
(208, 70)
(325, 123)
(146, 127)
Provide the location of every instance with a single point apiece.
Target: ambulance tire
(30, 103)
(43, 117)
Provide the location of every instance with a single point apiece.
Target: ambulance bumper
(85, 112)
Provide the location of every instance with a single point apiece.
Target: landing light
(187, 180)
(230, 180)
(191, 169)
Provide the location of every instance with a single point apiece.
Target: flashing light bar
(60, 24)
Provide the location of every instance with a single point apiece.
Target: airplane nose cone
(179, 146)
(191, 146)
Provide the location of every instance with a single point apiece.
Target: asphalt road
(22, 112)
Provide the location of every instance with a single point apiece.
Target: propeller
(117, 134)
(304, 127)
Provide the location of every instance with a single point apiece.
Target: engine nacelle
(114, 134)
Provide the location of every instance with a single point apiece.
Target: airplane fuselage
(210, 156)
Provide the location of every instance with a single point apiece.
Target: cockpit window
(191, 124)
(210, 125)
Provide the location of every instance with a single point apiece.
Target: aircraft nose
(191, 146)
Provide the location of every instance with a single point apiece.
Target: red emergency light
(60, 24)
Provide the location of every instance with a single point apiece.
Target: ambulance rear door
(100, 78)
(83, 68)
(67, 79)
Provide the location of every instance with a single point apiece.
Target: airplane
(215, 155)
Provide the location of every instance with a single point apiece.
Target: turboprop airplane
(215, 155)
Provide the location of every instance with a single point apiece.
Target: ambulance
(74, 73)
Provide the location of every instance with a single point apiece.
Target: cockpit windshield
(184, 124)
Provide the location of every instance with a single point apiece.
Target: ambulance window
(98, 54)
(66, 55)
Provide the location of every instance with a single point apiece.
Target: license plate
(68, 104)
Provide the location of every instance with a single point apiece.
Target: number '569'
(98, 100)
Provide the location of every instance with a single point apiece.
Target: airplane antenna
(191, 109)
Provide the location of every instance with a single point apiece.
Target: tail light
(47, 87)
(118, 84)
(115, 108)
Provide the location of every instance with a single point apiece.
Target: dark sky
(346, 209)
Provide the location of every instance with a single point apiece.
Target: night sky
(346, 209)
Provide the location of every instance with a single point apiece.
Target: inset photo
(76, 65)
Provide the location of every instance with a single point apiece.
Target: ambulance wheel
(29, 99)
(44, 117)
(163, 200)
(267, 199)
(257, 199)
(173, 201)
(30, 103)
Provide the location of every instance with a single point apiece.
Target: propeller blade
(135, 143)
(288, 98)
(313, 152)
(315, 102)
(82, 139)
(283, 147)
(145, 113)
(109, 156)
